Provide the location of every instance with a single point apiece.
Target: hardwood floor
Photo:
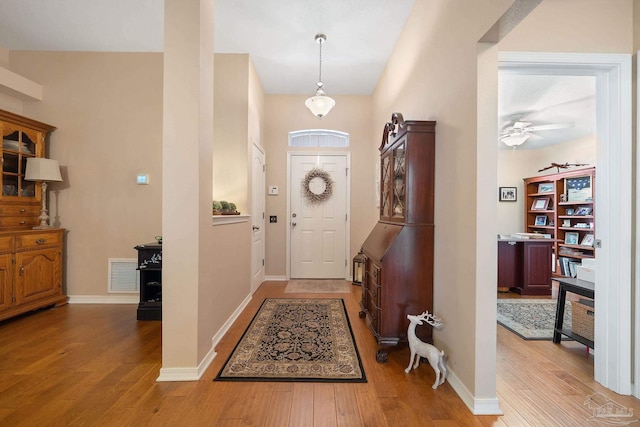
(95, 365)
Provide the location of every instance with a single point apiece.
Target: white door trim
(614, 225)
(347, 233)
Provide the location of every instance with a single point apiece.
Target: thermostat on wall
(142, 179)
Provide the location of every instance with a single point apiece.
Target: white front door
(258, 170)
(318, 231)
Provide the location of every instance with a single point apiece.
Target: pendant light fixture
(320, 104)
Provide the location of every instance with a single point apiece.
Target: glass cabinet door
(18, 144)
(399, 182)
(385, 187)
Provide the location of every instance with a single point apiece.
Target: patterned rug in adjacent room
(318, 286)
(296, 339)
(531, 319)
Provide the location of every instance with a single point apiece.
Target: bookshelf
(562, 206)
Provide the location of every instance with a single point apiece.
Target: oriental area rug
(318, 286)
(296, 339)
(531, 319)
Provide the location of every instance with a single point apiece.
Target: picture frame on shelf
(508, 194)
(571, 238)
(587, 240)
(584, 210)
(545, 187)
(540, 204)
(541, 220)
(566, 223)
(569, 211)
(578, 189)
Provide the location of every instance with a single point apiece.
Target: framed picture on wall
(508, 194)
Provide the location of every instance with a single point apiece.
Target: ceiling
(279, 35)
(545, 100)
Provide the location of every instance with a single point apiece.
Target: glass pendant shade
(320, 104)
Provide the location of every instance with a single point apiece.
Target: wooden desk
(524, 266)
(577, 286)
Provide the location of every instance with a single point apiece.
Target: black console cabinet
(150, 267)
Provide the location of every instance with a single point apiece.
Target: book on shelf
(573, 268)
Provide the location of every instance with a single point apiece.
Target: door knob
(293, 224)
(255, 228)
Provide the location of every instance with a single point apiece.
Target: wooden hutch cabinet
(398, 278)
(30, 260)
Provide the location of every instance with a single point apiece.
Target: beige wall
(515, 165)
(231, 115)
(108, 111)
(593, 26)
(286, 113)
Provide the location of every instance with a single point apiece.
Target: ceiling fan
(519, 132)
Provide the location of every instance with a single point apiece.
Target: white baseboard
(475, 405)
(104, 299)
(275, 278)
(194, 374)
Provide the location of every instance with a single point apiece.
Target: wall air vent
(123, 275)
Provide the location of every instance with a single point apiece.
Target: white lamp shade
(320, 105)
(40, 169)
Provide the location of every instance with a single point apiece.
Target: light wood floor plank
(95, 365)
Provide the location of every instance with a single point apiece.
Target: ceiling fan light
(514, 140)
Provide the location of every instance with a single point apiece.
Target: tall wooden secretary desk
(398, 252)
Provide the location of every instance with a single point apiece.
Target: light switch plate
(273, 190)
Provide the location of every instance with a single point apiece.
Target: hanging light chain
(320, 40)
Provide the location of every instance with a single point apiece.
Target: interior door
(318, 235)
(258, 170)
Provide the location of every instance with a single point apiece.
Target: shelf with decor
(562, 205)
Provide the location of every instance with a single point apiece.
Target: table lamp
(44, 170)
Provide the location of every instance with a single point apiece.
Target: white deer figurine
(423, 349)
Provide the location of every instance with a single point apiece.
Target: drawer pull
(22, 222)
(22, 270)
(41, 241)
(22, 210)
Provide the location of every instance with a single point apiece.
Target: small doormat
(318, 286)
(531, 319)
(296, 339)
